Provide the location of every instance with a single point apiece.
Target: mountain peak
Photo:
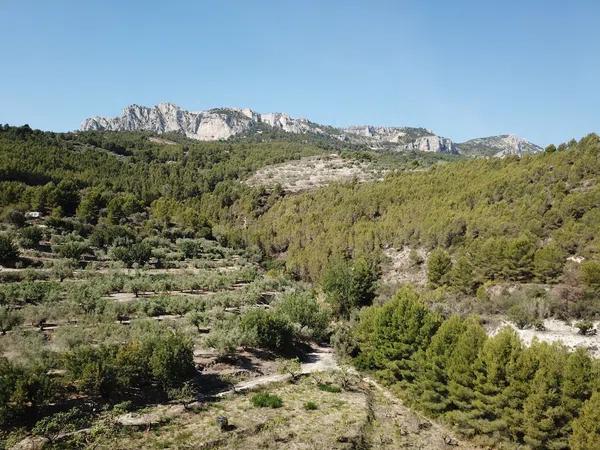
(223, 123)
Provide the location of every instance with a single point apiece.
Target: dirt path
(320, 359)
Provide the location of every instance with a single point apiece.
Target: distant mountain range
(224, 123)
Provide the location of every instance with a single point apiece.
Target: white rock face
(166, 117)
(385, 134)
(223, 123)
(499, 146)
(286, 123)
(435, 144)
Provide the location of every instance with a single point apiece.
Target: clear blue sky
(462, 68)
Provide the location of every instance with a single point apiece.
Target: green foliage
(303, 310)
(491, 387)
(591, 274)
(267, 330)
(161, 359)
(171, 362)
(310, 406)
(8, 319)
(53, 426)
(585, 327)
(122, 206)
(350, 284)
(332, 388)
(90, 206)
(266, 400)
(438, 267)
(586, 428)
(521, 316)
(8, 250)
(132, 253)
(22, 390)
(290, 367)
(30, 237)
(499, 212)
(15, 217)
(462, 275)
(548, 262)
(389, 336)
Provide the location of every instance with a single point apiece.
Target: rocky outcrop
(435, 144)
(223, 123)
(498, 146)
(204, 126)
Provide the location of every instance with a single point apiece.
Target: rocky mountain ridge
(224, 123)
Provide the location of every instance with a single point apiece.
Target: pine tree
(431, 382)
(546, 418)
(438, 266)
(461, 374)
(462, 275)
(498, 355)
(389, 336)
(586, 428)
(578, 380)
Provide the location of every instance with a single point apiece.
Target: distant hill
(503, 145)
(225, 123)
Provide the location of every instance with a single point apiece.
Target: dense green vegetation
(493, 388)
(146, 251)
(494, 220)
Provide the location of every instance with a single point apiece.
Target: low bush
(326, 387)
(266, 400)
(310, 406)
(585, 327)
(267, 330)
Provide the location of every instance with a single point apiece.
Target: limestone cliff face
(435, 144)
(499, 146)
(223, 123)
(205, 126)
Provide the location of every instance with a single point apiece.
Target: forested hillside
(142, 271)
(500, 219)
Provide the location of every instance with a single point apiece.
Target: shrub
(15, 217)
(585, 327)
(122, 407)
(350, 284)
(310, 406)
(30, 237)
(302, 308)
(343, 340)
(8, 250)
(172, 360)
(291, 367)
(71, 249)
(267, 330)
(8, 320)
(136, 253)
(266, 400)
(53, 426)
(326, 387)
(438, 267)
(591, 274)
(520, 316)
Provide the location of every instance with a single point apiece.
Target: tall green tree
(438, 266)
(586, 428)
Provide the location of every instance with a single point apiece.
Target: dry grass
(365, 415)
(335, 425)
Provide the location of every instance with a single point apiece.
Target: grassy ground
(361, 415)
